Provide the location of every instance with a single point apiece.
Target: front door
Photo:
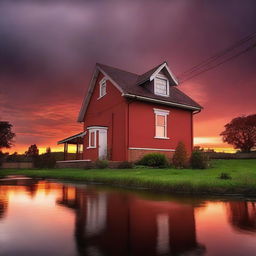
(103, 146)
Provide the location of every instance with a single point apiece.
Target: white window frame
(160, 76)
(165, 113)
(102, 92)
(90, 138)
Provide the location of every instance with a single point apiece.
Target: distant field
(242, 173)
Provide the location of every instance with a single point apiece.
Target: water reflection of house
(121, 224)
(242, 215)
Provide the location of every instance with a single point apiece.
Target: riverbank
(187, 181)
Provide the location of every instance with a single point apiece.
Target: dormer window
(161, 85)
(103, 88)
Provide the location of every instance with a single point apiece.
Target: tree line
(240, 132)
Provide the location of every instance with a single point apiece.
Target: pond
(51, 218)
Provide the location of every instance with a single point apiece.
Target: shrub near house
(154, 160)
(180, 157)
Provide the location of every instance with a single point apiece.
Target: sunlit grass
(242, 173)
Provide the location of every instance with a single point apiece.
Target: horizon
(49, 50)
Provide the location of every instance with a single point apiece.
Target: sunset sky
(48, 50)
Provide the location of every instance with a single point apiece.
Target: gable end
(91, 88)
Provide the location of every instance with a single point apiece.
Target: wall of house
(109, 111)
(142, 130)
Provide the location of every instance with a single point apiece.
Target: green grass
(242, 172)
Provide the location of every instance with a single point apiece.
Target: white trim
(162, 77)
(102, 81)
(74, 161)
(161, 111)
(97, 127)
(164, 113)
(160, 101)
(163, 138)
(94, 129)
(164, 65)
(94, 139)
(156, 149)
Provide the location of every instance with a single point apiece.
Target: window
(103, 88)
(161, 86)
(161, 123)
(92, 139)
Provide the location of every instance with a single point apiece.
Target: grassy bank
(242, 173)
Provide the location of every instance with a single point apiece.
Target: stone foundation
(136, 154)
(82, 164)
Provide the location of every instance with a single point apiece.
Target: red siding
(108, 111)
(142, 127)
(113, 111)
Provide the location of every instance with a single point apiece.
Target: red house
(127, 115)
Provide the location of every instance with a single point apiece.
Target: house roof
(74, 139)
(130, 85)
(146, 76)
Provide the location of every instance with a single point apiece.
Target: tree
(32, 151)
(48, 150)
(180, 157)
(6, 134)
(46, 160)
(241, 133)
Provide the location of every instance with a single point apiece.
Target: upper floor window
(161, 123)
(103, 88)
(161, 86)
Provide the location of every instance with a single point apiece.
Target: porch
(76, 140)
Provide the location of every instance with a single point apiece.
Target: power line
(222, 62)
(220, 54)
(223, 52)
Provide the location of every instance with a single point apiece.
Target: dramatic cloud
(48, 50)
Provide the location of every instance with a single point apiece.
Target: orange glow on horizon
(204, 142)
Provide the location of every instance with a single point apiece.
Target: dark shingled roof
(129, 83)
(144, 77)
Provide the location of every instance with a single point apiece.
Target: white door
(103, 145)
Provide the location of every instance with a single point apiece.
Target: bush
(199, 160)
(46, 160)
(154, 160)
(224, 176)
(180, 157)
(126, 165)
(101, 164)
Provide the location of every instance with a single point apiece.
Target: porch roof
(74, 139)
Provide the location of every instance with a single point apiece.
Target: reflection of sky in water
(43, 218)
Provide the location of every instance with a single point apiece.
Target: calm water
(47, 218)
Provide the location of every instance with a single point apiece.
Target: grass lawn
(242, 172)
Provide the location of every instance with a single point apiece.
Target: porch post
(80, 151)
(65, 150)
(77, 150)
